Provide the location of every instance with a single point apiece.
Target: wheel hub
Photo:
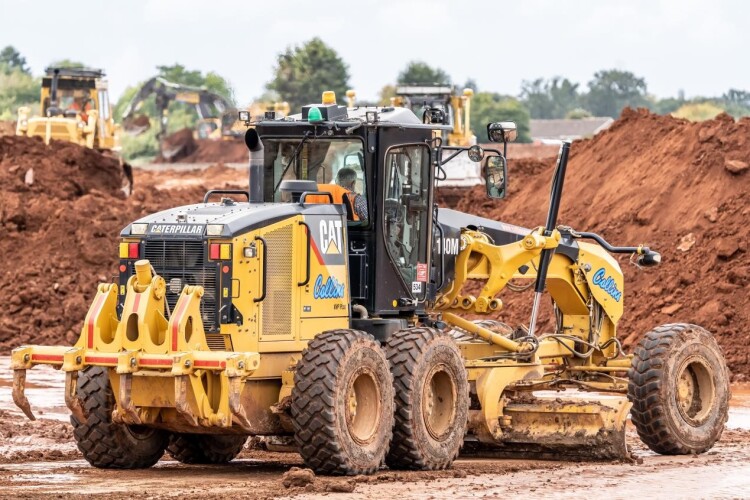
(439, 402)
(695, 390)
(363, 406)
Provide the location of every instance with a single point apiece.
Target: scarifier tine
(19, 393)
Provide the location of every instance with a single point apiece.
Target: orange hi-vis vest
(340, 195)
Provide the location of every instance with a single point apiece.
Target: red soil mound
(664, 182)
(224, 151)
(182, 147)
(60, 234)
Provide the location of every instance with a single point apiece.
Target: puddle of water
(45, 479)
(45, 388)
(739, 407)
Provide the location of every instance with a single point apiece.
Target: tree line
(303, 71)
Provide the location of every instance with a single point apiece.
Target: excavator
(216, 114)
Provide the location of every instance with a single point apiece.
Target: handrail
(224, 191)
(265, 268)
(309, 249)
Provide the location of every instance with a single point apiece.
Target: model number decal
(448, 246)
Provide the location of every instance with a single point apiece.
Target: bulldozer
(335, 324)
(76, 108)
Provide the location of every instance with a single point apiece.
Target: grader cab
(334, 322)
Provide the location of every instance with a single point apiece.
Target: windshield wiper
(293, 158)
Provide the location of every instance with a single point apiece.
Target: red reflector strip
(94, 313)
(155, 362)
(132, 250)
(47, 357)
(210, 364)
(214, 251)
(101, 359)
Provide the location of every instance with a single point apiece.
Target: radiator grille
(218, 342)
(277, 306)
(183, 263)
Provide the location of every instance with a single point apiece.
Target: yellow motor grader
(332, 321)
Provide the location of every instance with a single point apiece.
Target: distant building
(552, 131)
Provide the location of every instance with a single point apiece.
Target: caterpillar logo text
(330, 236)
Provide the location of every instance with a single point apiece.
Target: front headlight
(139, 228)
(214, 229)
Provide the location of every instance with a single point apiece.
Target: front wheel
(106, 444)
(679, 387)
(205, 448)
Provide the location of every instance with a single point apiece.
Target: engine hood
(190, 221)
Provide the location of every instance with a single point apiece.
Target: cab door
(406, 214)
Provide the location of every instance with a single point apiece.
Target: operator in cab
(344, 191)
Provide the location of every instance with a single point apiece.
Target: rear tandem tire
(205, 448)
(106, 444)
(432, 399)
(342, 403)
(679, 387)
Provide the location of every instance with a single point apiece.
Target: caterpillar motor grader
(275, 312)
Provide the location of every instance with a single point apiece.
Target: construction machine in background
(277, 312)
(440, 104)
(217, 116)
(75, 108)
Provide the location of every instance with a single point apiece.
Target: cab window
(337, 162)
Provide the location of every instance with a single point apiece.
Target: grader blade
(550, 427)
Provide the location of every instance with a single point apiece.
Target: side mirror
(476, 153)
(502, 131)
(244, 116)
(495, 177)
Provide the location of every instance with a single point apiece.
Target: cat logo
(331, 237)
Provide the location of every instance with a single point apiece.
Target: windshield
(328, 162)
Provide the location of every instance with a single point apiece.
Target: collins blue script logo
(331, 289)
(607, 283)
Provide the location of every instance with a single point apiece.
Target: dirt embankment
(182, 147)
(677, 186)
(7, 127)
(60, 231)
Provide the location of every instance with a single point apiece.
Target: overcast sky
(696, 46)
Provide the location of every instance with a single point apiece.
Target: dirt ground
(40, 458)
